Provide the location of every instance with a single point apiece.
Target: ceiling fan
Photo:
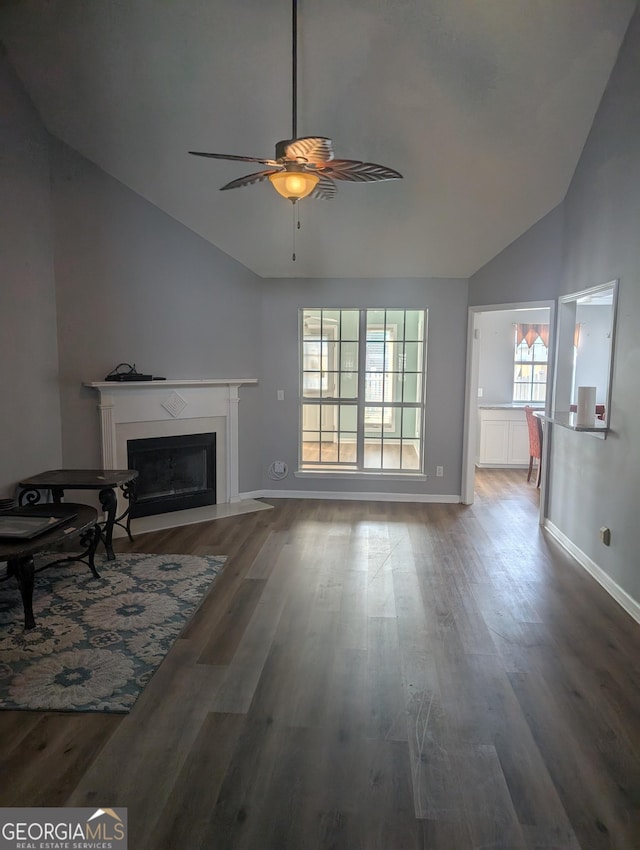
(304, 167)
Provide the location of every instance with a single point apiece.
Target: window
(316, 365)
(379, 374)
(362, 390)
(530, 362)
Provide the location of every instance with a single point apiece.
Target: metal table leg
(108, 501)
(23, 569)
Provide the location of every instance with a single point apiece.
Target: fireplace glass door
(176, 473)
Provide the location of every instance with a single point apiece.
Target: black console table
(103, 480)
(77, 521)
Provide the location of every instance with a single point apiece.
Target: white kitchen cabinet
(503, 437)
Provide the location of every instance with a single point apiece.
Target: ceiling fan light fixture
(293, 184)
(304, 166)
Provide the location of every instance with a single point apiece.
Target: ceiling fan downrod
(294, 69)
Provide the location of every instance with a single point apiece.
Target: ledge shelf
(569, 421)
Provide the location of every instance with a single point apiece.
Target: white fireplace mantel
(130, 409)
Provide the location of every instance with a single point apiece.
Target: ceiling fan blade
(325, 188)
(234, 158)
(247, 180)
(359, 172)
(313, 149)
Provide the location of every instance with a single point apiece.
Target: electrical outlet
(439, 471)
(480, 392)
(278, 466)
(280, 395)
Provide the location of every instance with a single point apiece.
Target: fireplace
(175, 473)
(139, 410)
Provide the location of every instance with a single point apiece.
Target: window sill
(335, 475)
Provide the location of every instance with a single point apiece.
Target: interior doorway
(501, 379)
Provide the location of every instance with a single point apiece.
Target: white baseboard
(347, 496)
(630, 605)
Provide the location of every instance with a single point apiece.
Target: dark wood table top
(80, 479)
(85, 517)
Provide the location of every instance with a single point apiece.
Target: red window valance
(530, 333)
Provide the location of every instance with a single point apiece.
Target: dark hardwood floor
(368, 676)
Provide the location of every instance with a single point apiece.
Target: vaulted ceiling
(483, 105)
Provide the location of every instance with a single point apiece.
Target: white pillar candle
(586, 406)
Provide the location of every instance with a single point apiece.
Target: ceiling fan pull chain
(293, 255)
(296, 226)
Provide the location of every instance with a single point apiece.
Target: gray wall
(597, 482)
(496, 351)
(134, 285)
(29, 406)
(590, 239)
(527, 270)
(446, 301)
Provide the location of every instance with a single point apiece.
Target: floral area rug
(97, 642)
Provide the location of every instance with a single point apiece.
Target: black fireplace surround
(176, 473)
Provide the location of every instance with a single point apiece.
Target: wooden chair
(534, 424)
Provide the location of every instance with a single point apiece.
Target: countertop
(509, 406)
